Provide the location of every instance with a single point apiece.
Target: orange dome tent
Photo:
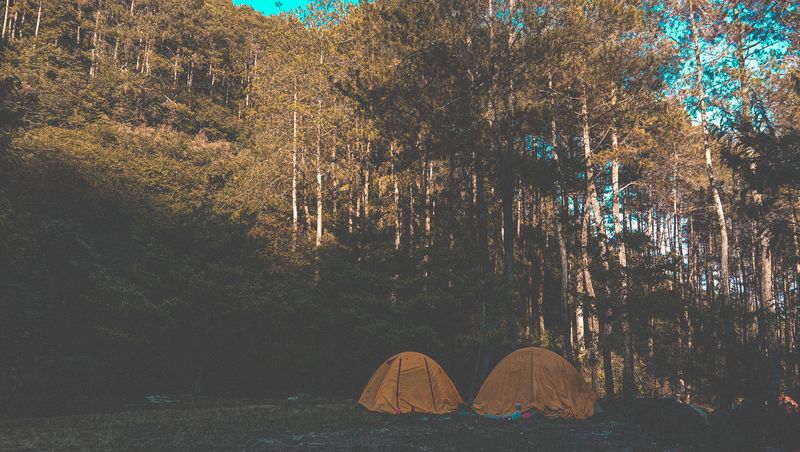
(410, 382)
(538, 379)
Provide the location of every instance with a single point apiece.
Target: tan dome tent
(538, 379)
(410, 382)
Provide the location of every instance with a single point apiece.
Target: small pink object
(527, 415)
(397, 411)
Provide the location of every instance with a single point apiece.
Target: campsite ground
(317, 425)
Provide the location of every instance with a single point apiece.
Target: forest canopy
(198, 198)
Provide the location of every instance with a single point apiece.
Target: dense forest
(196, 198)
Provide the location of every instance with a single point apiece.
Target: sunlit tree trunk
(21, 24)
(319, 174)
(5, 19)
(295, 213)
(38, 21)
(95, 39)
(367, 180)
(13, 26)
(78, 30)
(306, 208)
(351, 204)
(427, 181)
(398, 214)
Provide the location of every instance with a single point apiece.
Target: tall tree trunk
(559, 217)
(482, 238)
(628, 381)
(295, 214)
(591, 201)
(306, 207)
(765, 269)
(768, 308)
(727, 324)
(793, 319)
(506, 184)
(479, 205)
(319, 173)
(536, 322)
(607, 316)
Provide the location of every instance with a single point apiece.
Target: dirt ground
(315, 425)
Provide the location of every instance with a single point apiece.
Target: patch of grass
(309, 424)
(205, 425)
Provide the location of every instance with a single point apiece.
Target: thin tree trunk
(559, 217)
(591, 203)
(507, 207)
(479, 201)
(427, 181)
(80, 19)
(13, 27)
(398, 216)
(482, 238)
(608, 366)
(628, 381)
(319, 173)
(367, 180)
(95, 39)
(38, 21)
(5, 19)
(295, 213)
(306, 208)
(351, 195)
(793, 319)
(175, 68)
(21, 25)
(768, 307)
(536, 322)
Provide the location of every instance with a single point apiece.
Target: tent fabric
(410, 382)
(538, 379)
